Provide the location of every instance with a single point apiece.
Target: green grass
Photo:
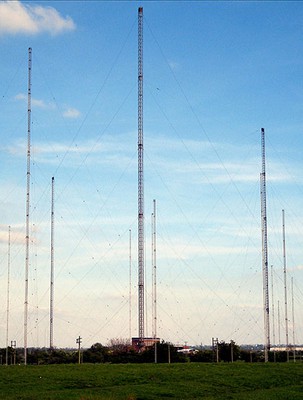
(149, 381)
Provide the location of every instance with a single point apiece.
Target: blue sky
(214, 74)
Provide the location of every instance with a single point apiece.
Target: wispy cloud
(19, 147)
(19, 18)
(296, 268)
(35, 102)
(71, 113)
(17, 236)
(196, 157)
(114, 149)
(118, 152)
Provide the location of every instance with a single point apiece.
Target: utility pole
(285, 286)
(140, 182)
(51, 334)
(232, 351)
(264, 249)
(78, 341)
(215, 346)
(8, 284)
(28, 184)
(13, 346)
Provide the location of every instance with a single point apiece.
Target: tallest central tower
(140, 181)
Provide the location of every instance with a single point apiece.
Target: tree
(118, 345)
(228, 351)
(163, 350)
(202, 356)
(96, 354)
(121, 351)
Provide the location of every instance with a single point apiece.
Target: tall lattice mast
(273, 306)
(154, 260)
(285, 286)
(279, 323)
(140, 180)
(8, 287)
(51, 314)
(293, 318)
(28, 184)
(130, 286)
(264, 250)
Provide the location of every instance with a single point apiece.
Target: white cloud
(17, 236)
(68, 113)
(20, 96)
(16, 18)
(71, 113)
(296, 268)
(35, 102)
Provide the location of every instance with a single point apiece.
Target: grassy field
(149, 381)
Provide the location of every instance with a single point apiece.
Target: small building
(139, 344)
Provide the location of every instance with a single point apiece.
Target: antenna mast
(51, 335)
(273, 307)
(28, 183)
(279, 323)
(293, 318)
(264, 249)
(130, 285)
(8, 284)
(140, 181)
(285, 286)
(154, 260)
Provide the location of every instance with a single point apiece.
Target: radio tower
(154, 275)
(140, 181)
(293, 318)
(28, 181)
(51, 317)
(154, 266)
(8, 285)
(130, 286)
(285, 286)
(264, 249)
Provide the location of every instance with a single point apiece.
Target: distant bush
(202, 356)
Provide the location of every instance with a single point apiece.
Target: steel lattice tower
(285, 286)
(51, 317)
(154, 266)
(8, 287)
(140, 180)
(264, 249)
(28, 185)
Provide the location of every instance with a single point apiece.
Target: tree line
(119, 351)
